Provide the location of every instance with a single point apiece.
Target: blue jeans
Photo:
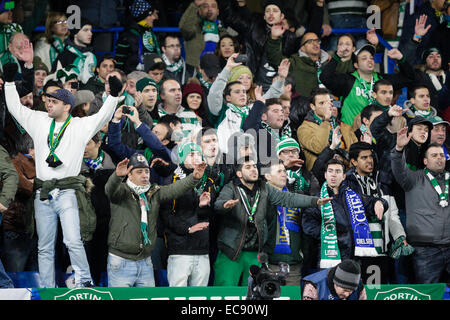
(431, 263)
(129, 273)
(5, 280)
(347, 21)
(65, 207)
(188, 270)
(19, 251)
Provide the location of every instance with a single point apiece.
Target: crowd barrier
(414, 292)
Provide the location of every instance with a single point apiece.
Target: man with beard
(243, 204)
(59, 140)
(434, 74)
(255, 29)
(200, 29)
(427, 208)
(365, 179)
(356, 88)
(176, 67)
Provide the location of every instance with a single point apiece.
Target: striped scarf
(144, 205)
(369, 187)
(288, 220)
(243, 111)
(330, 255)
(443, 196)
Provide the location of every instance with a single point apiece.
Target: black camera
(241, 58)
(127, 110)
(265, 284)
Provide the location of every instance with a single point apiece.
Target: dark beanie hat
(275, 3)
(192, 88)
(83, 22)
(140, 9)
(347, 275)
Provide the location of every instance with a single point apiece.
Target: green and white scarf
(443, 196)
(424, 113)
(204, 83)
(271, 131)
(150, 42)
(296, 177)
(56, 48)
(84, 64)
(145, 207)
(173, 67)
(243, 111)
(330, 255)
(210, 31)
(333, 124)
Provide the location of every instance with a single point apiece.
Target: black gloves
(115, 86)
(9, 71)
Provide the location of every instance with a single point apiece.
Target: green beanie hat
(141, 84)
(237, 71)
(287, 143)
(186, 148)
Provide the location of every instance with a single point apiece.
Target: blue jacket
(322, 281)
(123, 151)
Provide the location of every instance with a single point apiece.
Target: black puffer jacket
(179, 215)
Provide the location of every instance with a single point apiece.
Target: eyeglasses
(292, 151)
(311, 41)
(172, 46)
(61, 22)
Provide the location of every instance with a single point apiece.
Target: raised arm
(405, 177)
(95, 122)
(215, 95)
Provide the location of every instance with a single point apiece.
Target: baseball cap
(366, 47)
(420, 120)
(151, 60)
(137, 160)
(64, 95)
(438, 120)
(210, 64)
